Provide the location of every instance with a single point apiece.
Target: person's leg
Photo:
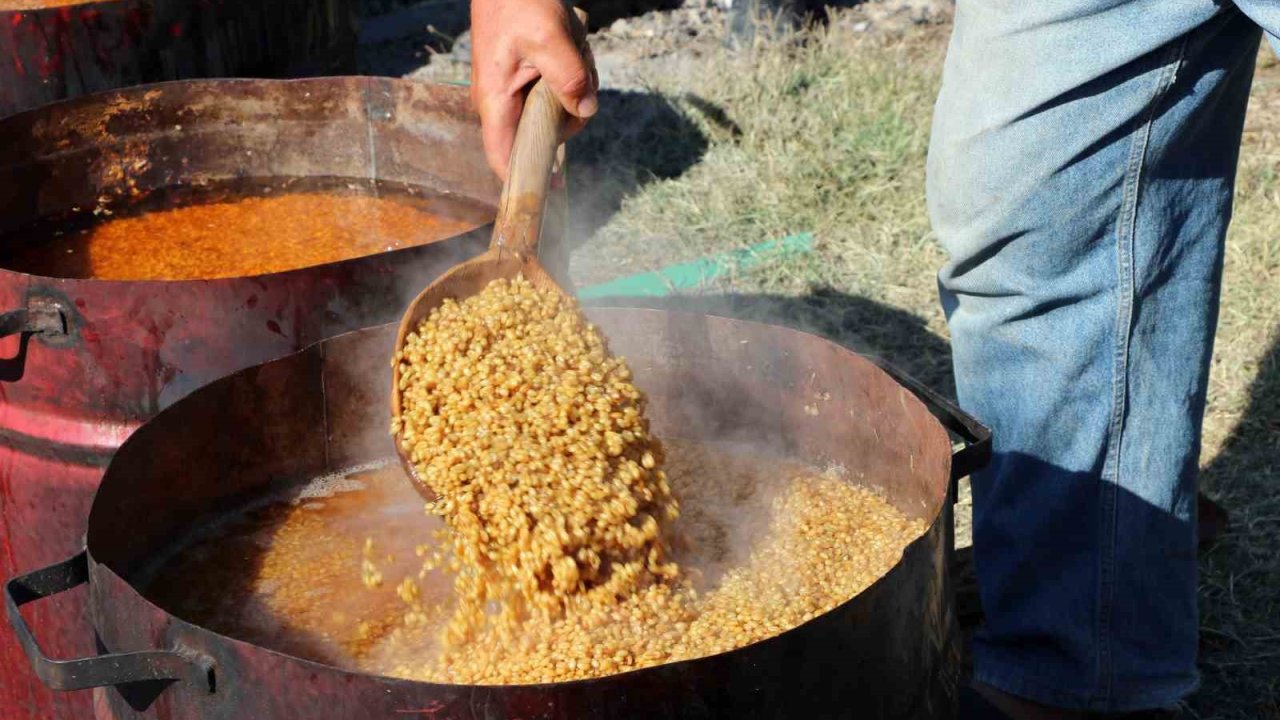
(1080, 178)
(1266, 13)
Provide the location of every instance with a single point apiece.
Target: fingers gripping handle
(533, 155)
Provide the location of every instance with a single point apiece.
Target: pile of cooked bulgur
(561, 517)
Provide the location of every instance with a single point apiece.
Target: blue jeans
(1080, 179)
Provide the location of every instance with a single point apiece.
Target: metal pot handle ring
(976, 452)
(38, 318)
(103, 670)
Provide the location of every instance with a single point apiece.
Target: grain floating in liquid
(763, 543)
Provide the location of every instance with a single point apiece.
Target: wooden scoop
(513, 250)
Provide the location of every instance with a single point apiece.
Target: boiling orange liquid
(250, 236)
(40, 4)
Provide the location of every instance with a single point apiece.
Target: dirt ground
(632, 49)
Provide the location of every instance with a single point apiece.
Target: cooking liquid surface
(40, 4)
(755, 534)
(285, 573)
(212, 236)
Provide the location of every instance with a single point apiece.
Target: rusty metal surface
(111, 147)
(888, 653)
(58, 52)
(132, 348)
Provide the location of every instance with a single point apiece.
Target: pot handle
(39, 317)
(103, 670)
(976, 452)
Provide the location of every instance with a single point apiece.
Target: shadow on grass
(1255, 443)
(636, 138)
(1240, 583)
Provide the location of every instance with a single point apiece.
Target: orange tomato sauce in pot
(235, 238)
(8, 5)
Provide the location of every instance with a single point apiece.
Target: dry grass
(1240, 581)
(829, 136)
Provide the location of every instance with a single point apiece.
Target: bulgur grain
(560, 508)
(763, 546)
(533, 436)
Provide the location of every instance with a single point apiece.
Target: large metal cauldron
(888, 653)
(87, 361)
(60, 49)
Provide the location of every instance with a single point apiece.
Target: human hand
(513, 43)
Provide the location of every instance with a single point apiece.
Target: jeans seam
(1126, 232)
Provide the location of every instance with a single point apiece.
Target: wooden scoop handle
(518, 226)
